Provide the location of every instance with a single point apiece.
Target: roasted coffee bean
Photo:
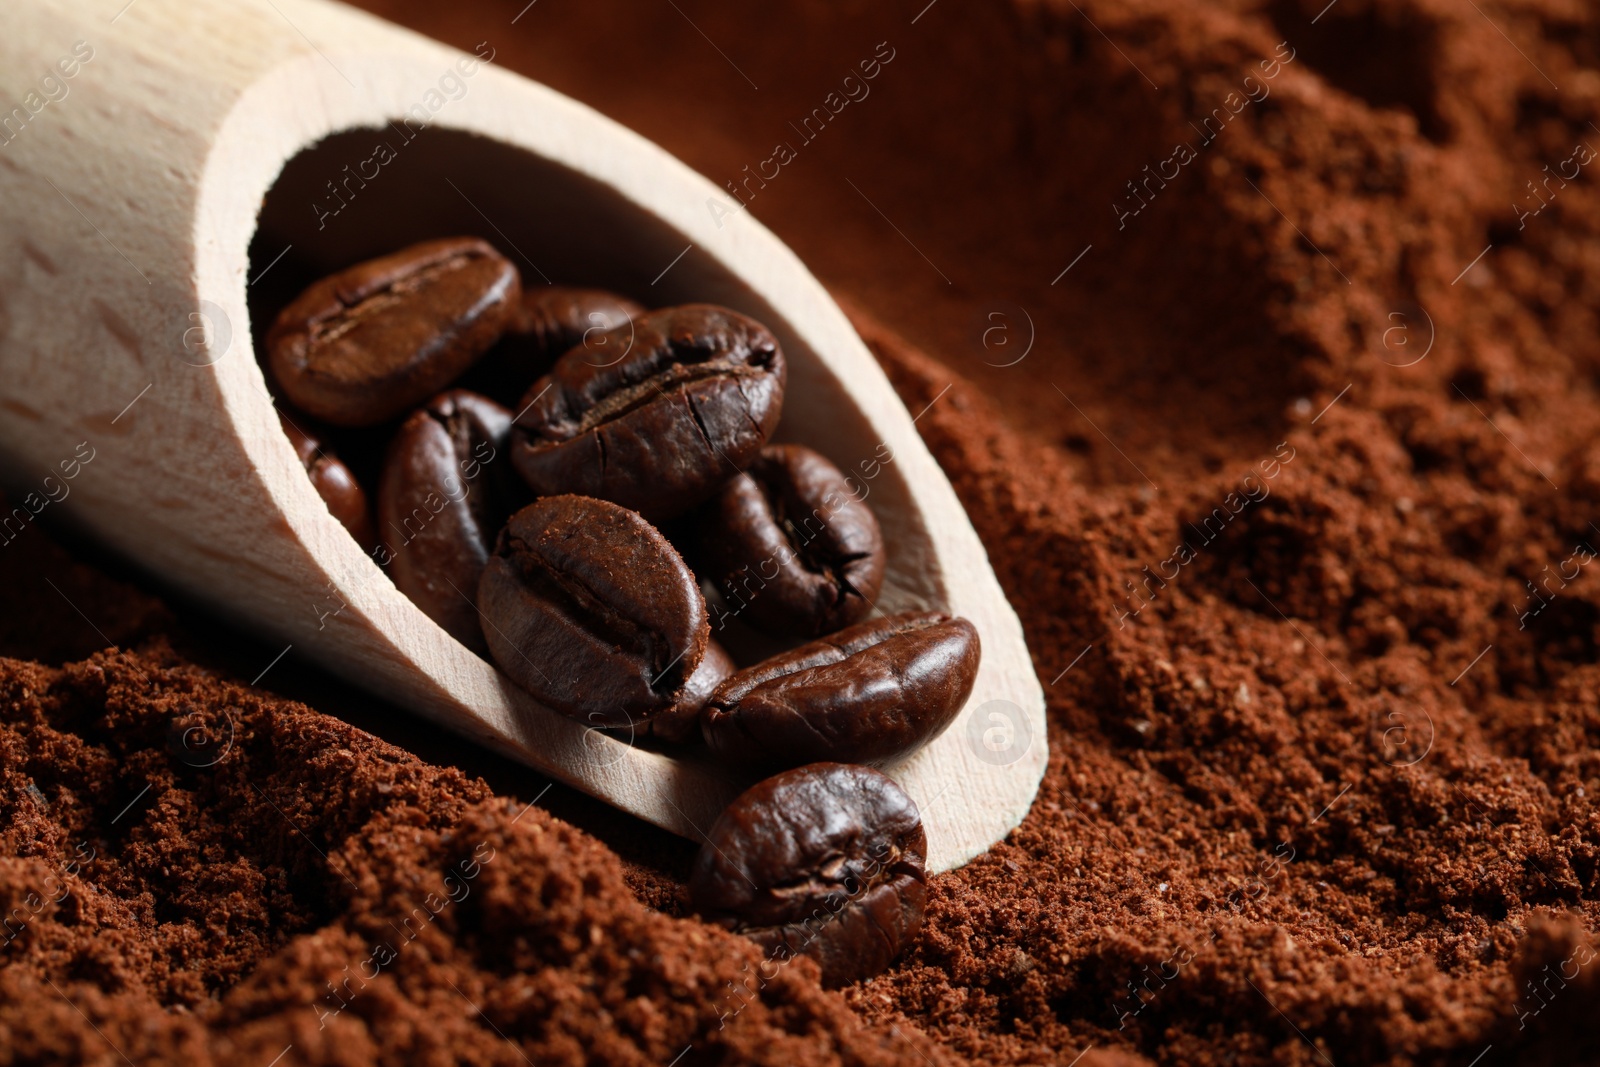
(691, 402)
(333, 482)
(790, 547)
(444, 493)
(681, 722)
(375, 340)
(826, 861)
(587, 607)
(551, 319)
(873, 693)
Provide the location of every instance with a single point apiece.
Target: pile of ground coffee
(195, 871)
(1260, 343)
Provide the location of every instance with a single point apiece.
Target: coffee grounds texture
(1320, 788)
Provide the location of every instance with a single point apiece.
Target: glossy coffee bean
(825, 861)
(373, 341)
(587, 607)
(333, 481)
(681, 722)
(550, 320)
(442, 497)
(660, 429)
(792, 550)
(873, 693)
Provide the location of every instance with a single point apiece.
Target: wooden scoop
(156, 164)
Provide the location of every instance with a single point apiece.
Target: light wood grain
(128, 206)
